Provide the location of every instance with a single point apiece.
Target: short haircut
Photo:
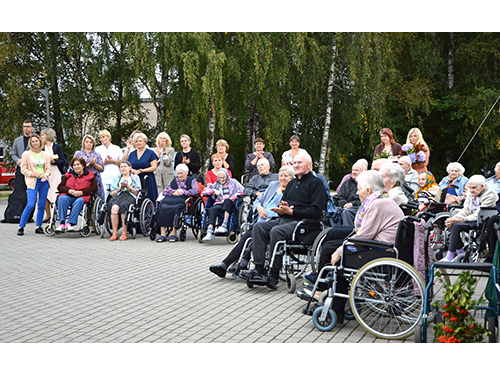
(141, 135)
(406, 159)
(216, 156)
(182, 167)
(457, 165)
(224, 143)
(78, 159)
(35, 136)
(126, 162)
(395, 173)
(288, 169)
(49, 133)
(263, 161)
(185, 136)
(28, 121)
(258, 140)
(477, 180)
(373, 180)
(105, 133)
(497, 166)
(164, 134)
(296, 137)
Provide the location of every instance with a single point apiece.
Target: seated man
(479, 195)
(262, 205)
(261, 181)
(411, 175)
(494, 181)
(304, 198)
(348, 199)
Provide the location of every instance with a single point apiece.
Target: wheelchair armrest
(360, 241)
(305, 226)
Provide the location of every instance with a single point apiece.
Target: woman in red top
(211, 175)
(75, 189)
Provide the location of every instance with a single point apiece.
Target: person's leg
(456, 244)
(63, 203)
(348, 216)
(78, 204)
(278, 233)
(212, 220)
(43, 190)
(114, 220)
(491, 237)
(31, 194)
(260, 239)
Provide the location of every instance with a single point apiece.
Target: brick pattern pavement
(72, 289)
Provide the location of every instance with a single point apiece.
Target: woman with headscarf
(427, 184)
(224, 192)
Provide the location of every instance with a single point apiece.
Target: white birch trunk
(451, 62)
(210, 138)
(328, 118)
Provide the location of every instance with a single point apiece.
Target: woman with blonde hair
(228, 161)
(188, 156)
(35, 166)
(165, 152)
(111, 156)
(416, 139)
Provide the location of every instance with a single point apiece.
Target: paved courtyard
(67, 288)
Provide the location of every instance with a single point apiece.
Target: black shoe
(39, 230)
(272, 282)
(20, 231)
(233, 268)
(218, 270)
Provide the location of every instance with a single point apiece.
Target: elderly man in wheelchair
(304, 198)
(479, 196)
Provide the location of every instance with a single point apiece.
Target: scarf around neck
(365, 205)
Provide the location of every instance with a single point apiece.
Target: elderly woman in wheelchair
(74, 189)
(262, 211)
(377, 219)
(173, 201)
(479, 196)
(124, 189)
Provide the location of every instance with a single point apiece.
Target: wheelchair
(190, 217)
(297, 253)
(234, 230)
(86, 218)
(385, 291)
(139, 216)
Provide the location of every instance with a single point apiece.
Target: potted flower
(457, 324)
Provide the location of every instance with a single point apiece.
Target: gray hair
(141, 135)
(457, 165)
(373, 180)
(497, 166)
(288, 169)
(182, 167)
(394, 172)
(49, 133)
(263, 161)
(477, 180)
(405, 159)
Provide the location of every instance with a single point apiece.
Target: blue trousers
(41, 189)
(63, 203)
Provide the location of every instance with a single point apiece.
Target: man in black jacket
(304, 198)
(348, 199)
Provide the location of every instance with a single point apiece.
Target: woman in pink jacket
(35, 166)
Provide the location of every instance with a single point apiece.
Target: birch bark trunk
(210, 138)
(451, 61)
(328, 117)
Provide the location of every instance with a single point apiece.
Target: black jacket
(348, 193)
(307, 195)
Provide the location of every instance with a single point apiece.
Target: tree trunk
(328, 118)
(451, 61)
(210, 137)
(54, 88)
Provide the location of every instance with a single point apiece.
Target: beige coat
(28, 167)
(488, 198)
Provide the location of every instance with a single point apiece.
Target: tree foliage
(239, 86)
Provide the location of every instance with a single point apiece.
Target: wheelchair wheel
(244, 212)
(327, 323)
(291, 283)
(97, 208)
(197, 217)
(85, 231)
(232, 238)
(386, 298)
(316, 249)
(50, 229)
(145, 216)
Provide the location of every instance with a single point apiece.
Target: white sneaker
(221, 230)
(209, 237)
(69, 228)
(60, 228)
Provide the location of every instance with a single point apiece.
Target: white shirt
(110, 170)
